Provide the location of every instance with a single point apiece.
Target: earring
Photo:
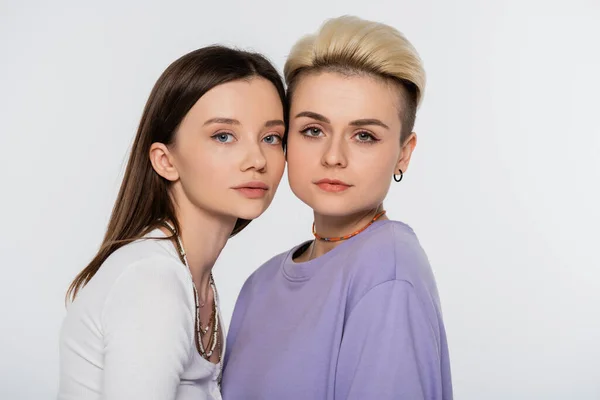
(401, 176)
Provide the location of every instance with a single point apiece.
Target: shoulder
(147, 260)
(258, 282)
(147, 247)
(266, 272)
(390, 252)
(145, 273)
(140, 262)
(155, 270)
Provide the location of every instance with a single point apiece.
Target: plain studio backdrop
(503, 190)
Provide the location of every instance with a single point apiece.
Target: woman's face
(344, 142)
(227, 158)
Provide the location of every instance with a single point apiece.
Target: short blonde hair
(352, 45)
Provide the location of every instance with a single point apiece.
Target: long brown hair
(143, 200)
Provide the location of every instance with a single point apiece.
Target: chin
(331, 207)
(250, 211)
(333, 211)
(338, 207)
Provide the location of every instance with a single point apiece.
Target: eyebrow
(231, 121)
(274, 122)
(368, 121)
(313, 115)
(358, 122)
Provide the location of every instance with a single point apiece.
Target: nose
(254, 159)
(335, 154)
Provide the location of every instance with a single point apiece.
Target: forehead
(343, 97)
(250, 99)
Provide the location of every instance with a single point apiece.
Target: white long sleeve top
(129, 334)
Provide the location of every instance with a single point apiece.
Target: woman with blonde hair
(354, 313)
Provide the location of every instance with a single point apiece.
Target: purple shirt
(363, 321)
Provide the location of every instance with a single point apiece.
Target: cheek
(275, 162)
(383, 164)
(299, 169)
(201, 167)
(299, 175)
(299, 157)
(377, 170)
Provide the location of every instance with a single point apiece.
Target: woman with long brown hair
(208, 156)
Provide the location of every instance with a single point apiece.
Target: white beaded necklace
(206, 354)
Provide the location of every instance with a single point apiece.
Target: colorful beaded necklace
(340, 238)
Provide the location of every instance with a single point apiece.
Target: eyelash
(216, 135)
(304, 132)
(273, 135)
(372, 139)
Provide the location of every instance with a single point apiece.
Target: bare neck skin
(203, 235)
(329, 226)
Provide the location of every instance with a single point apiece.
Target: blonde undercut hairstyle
(353, 46)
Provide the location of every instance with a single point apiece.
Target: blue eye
(312, 131)
(223, 137)
(272, 139)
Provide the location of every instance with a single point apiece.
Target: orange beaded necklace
(340, 238)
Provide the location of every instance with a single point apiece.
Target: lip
(252, 190)
(332, 185)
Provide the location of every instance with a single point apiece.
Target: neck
(337, 226)
(203, 235)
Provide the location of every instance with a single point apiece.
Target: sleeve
(148, 330)
(239, 312)
(389, 349)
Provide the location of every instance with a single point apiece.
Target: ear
(162, 162)
(406, 152)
